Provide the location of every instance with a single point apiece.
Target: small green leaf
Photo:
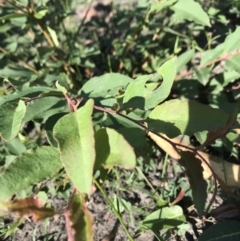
(212, 54)
(28, 93)
(182, 117)
(184, 9)
(44, 107)
(11, 118)
(203, 75)
(231, 42)
(222, 231)
(158, 6)
(138, 96)
(233, 64)
(29, 168)
(99, 86)
(198, 185)
(113, 150)
(53, 36)
(75, 138)
(164, 218)
(184, 58)
(13, 15)
(61, 88)
(40, 13)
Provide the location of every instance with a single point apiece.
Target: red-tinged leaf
(29, 206)
(79, 222)
(225, 211)
(180, 196)
(194, 172)
(222, 131)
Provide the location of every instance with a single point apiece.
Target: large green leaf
(222, 231)
(198, 185)
(29, 168)
(138, 96)
(112, 149)
(75, 138)
(184, 9)
(11, 117)
(100, 86)
(176, 117)
(164, 218)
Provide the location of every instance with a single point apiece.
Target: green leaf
(158, 6)
(99, 86)
(61, 88)
(75, 138)
(15, 147)
(44, 107)
(138, 96)
(113, 150)
(198, 185)
(41, 13)
(192, 11)
(11, 118)
(212, 54)
(53, 36)
(13, 15)
(176, 117)
(233, 64)
(28, 93)
(222, 231)
(17, 73)
(203, 75)
(29, 168)
(49, 125)
(184, 58)
(164, 218)
(231, 42)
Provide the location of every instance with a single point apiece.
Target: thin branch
(174, 145)
(223, 57)
(21, 62)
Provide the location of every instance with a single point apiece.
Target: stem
(23, 63)
(223, 57)
(114, 209)
(174, 145)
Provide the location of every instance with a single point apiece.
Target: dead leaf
(29, 206)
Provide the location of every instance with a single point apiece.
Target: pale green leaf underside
(75, 138)
(113, 150)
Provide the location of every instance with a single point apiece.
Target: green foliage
(78, 98)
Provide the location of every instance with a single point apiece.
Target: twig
(174, 145)
(223, 57)
(23, 63)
